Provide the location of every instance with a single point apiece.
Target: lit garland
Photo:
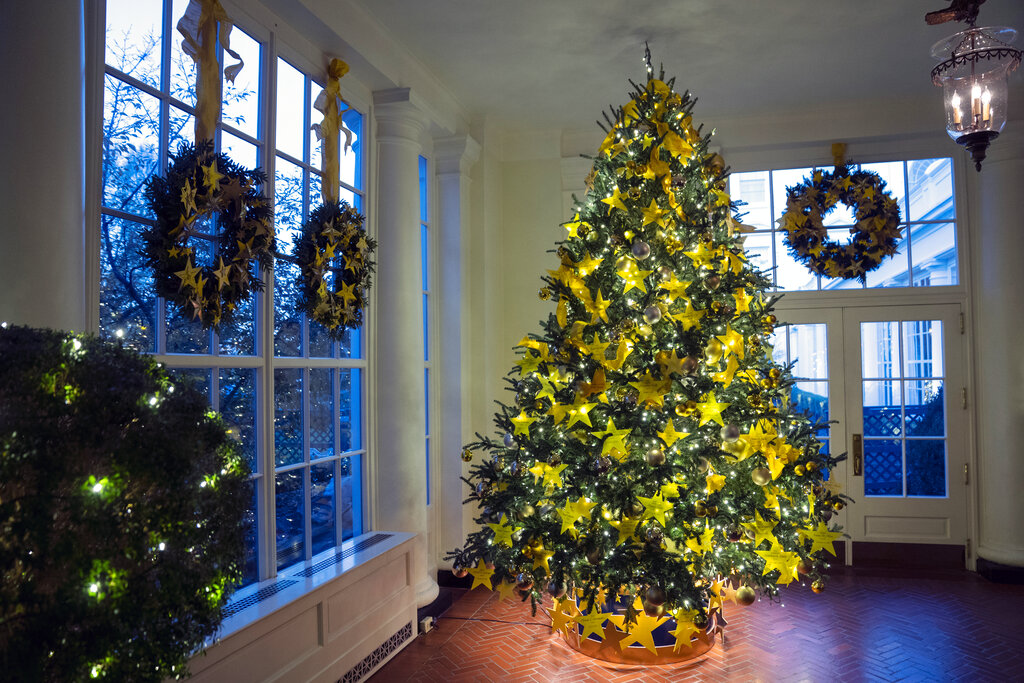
(206, 196)
(334, 229)
(875, 235)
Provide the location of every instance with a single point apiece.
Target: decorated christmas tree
(650, 464)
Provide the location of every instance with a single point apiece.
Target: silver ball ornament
(641, 250)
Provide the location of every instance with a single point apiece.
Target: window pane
(895, 269)
(127, 299)
(288, 199)
(758, 247)
(131, 134)
(199, 379)
(883, 467)
(922, 348)
(926, 467)
(882, 408)
(779, 341)
(351, 159)
(350, 417)
(350, 345)
(287, 321)
(934, 253)
(925, 411)
(880, 356)
(783, 179)
(291, 515)
(238, 409)
(323, 501)
(250, 568)
(351, 495)
(752, 190)
(238, 337)
(791, 275)
(183, 69)
(241, 152)
(241, 98)
(320, 344)
(182, 129)
(891, 173)
(134, 32)
(290, 109)
(321, 412)
(931, 189)
(288, 417)
(808, 350)
(811, 398)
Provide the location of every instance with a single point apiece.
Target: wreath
(875, 235)
(207, 196)
(334, 230)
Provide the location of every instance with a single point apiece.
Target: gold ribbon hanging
(199, 29)
(332, 106)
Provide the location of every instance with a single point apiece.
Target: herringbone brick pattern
(862, 628)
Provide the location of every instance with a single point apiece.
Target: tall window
(927, 255)
(425, 261)
(305, 444)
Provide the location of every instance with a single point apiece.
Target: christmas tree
(650, 454)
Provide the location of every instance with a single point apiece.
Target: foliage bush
(121, 513)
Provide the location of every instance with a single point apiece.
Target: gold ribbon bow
(332, 106)
(199, 29)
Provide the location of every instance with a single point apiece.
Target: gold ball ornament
(690, 365)
(460, 572)
(700, 621)
(804, 566)
(653, 610)
(467, 455)
(544, 294)
(799, 470)
(713, 351)
(656, 457)
(761, 476)
(811, 466)
(818, 586)
(700, 508)
(745, 595)
(528, 511)
(680, 409)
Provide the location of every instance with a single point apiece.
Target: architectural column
(997, 245)
(400, 473)
(42, 181)
(453, 158)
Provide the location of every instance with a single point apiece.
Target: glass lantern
(973, 80)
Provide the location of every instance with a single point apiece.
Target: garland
(333, 230)
(207, 195)
(874, 236)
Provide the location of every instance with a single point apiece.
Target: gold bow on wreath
(199, 28)
(332, 106)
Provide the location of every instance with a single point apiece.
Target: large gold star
(541, 558)
(626, 527)
(560, 619)
(481, 575)
(702, 256)
(702, 543)
(762, 528)
(211, 176)
(642, 631)
(596, 348)
(598, 308)
(654, 214)
(587, 265)
(725, 377)
(675, 287)
(592, 622)
(568, 515)
(553, 475)
(188, 275)
(506, 589)
(624, 349)
(711, 410)
(655, 507)
(652, 390)
(821, 537)
(670, 435)
(503, 532)
(685, 628)
(690, 316)
(528, 363)
(732, 341)
(522, 423)
(633, 277)
(615, 201)
(559, 411)
(574, 225)
(785, 562)
(715, 482)
(615, 438)
(580, 412)
(742, 298)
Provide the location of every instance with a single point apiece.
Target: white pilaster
(453, 157)
(400, 503)
(998, 242)
(42, 181)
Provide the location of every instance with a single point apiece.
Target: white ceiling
(541, 64)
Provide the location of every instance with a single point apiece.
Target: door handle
(858, 455)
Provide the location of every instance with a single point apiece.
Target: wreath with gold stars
(208, 205)
(334, 231)
(874, 236)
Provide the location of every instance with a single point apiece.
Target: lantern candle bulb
(986, 110)
(955, 104)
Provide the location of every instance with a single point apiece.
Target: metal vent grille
(370, 661)
(257, 597)
(342, 555)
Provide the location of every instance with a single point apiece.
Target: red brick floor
(862, 628)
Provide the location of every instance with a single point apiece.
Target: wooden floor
(864, 627)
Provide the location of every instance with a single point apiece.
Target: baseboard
(1000, 573)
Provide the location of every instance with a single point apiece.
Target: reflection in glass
(351, 495)
(238, 408)
(321, 413)
(926, 467)
(238, 336)
(925, 412)
(127, 299)
(322, 506)
(790, 274)
(882, 408)
(288, 416)
(931, 190)
(287, 321)
(350, 418)
(290, 499)
(807, 350)
(880, 353)
(182, 129)
(811, 398)
(883, 467)
(250, 565)
(197, 378)
(934, 254)
(922, 348)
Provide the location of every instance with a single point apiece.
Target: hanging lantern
(973, 77)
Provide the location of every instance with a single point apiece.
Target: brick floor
(862, 628)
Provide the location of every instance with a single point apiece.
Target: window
(293, 398)
(927, 255)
